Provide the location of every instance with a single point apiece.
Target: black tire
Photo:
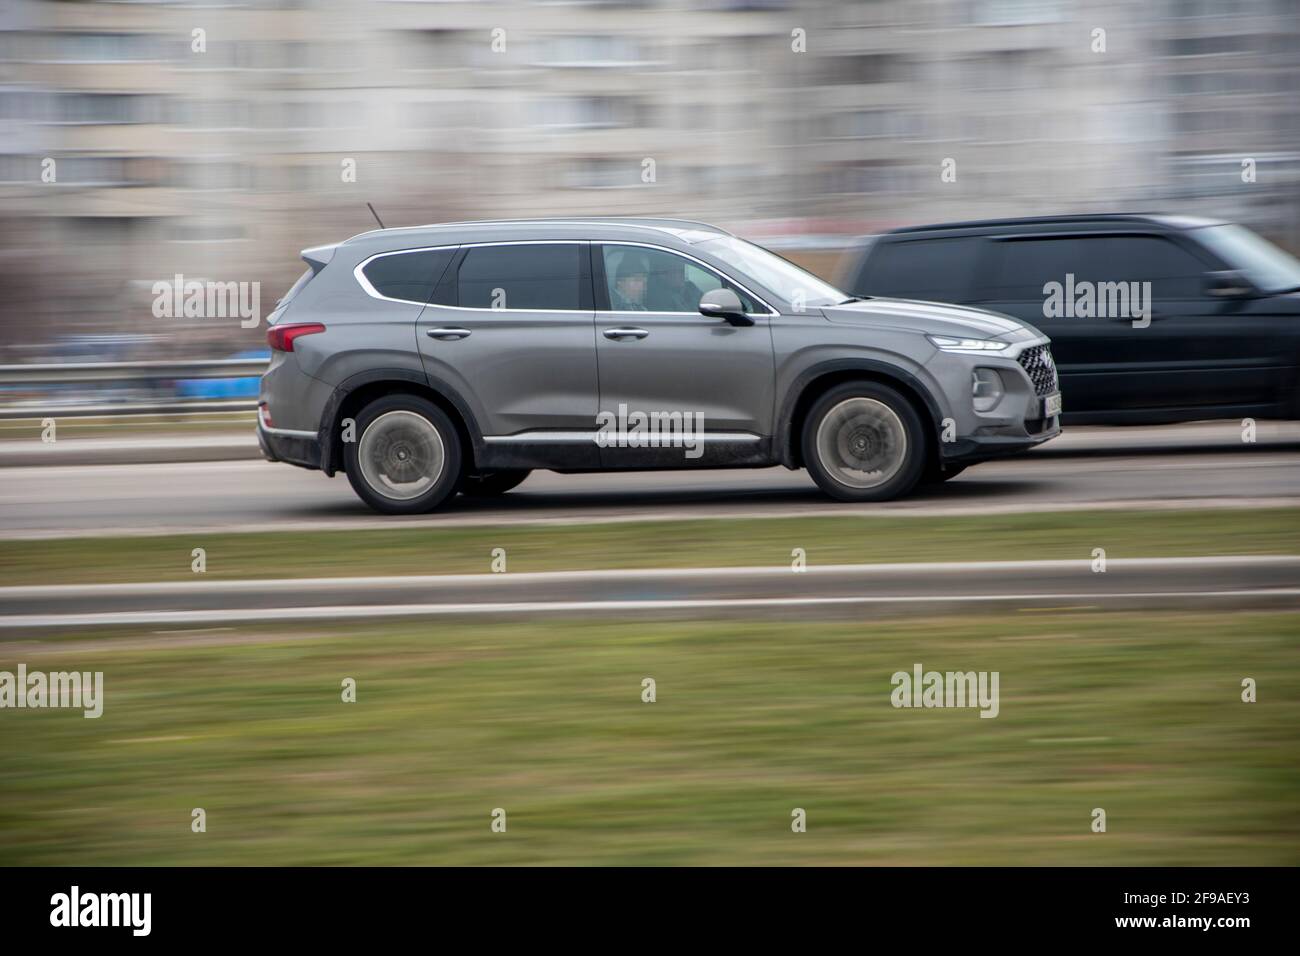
(492, 483)
(867, 424)
(408, 463)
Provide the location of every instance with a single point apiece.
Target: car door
(1134, 331)
(511, 329)
(1199, 351)
(659, 357)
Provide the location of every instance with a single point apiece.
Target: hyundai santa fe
(458, 357)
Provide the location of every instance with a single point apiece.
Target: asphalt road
(1100, 468)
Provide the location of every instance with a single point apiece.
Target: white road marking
(915, 568)
(348, 612)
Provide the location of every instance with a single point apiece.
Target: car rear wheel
(492, 483)
(864, 442)
(407, 456)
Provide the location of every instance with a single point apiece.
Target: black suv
(1152, 318)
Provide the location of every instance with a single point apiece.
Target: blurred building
(215, 139)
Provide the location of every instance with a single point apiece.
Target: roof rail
(1019, 220)
(632, 222)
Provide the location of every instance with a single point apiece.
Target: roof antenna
(376, 215)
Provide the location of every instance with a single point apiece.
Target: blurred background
(216, 139)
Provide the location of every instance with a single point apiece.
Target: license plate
(1052, 405)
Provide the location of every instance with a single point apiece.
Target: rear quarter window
(409, 276)
(941, 270)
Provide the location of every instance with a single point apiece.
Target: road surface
(253, 496)
(1172, 466)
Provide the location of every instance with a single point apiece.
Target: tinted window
(521, 277)
(639, 279)
(408, 275)
(1021, 267)
(936, 269)
(1174, 273)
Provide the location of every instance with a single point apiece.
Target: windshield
(1267, 267)
(772, 272)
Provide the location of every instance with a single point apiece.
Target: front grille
(1037, 363)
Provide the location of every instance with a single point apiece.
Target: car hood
(932, 318)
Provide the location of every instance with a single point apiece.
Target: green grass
(711, 543)
(1137, 714)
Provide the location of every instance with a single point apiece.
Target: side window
(639, 279)
(526, 276)
(1174, 273)
(410, 276)
(941, 270)
(1021, 267)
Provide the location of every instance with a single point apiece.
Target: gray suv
(458, 357)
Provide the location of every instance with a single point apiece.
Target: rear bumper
(294, 448)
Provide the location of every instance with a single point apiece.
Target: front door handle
(625, 333)
(447, 334)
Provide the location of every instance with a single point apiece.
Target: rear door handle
(625, 333)
(447, 334)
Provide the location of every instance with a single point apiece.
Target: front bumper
(1018, 421)
(294, 448)
(1001, 442)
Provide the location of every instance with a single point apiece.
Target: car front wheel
(407, 456)
(863, 441)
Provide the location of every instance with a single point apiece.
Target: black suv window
(1174, 273)
(410, 276)
(1021, 267)
(525, 276)
(938, 269)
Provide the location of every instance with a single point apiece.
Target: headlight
(947, 344)
(986, 389)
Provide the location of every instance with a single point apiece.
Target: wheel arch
(354, 393)
(816, 380)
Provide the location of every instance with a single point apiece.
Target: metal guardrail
(13, 412)
(70, 373)
(59, 373)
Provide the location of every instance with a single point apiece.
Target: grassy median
(1138, 714)
(698, 543)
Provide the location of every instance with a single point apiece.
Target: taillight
(264, 411)
(280, 337)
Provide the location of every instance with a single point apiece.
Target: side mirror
(1228, 284)
(724, 304)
